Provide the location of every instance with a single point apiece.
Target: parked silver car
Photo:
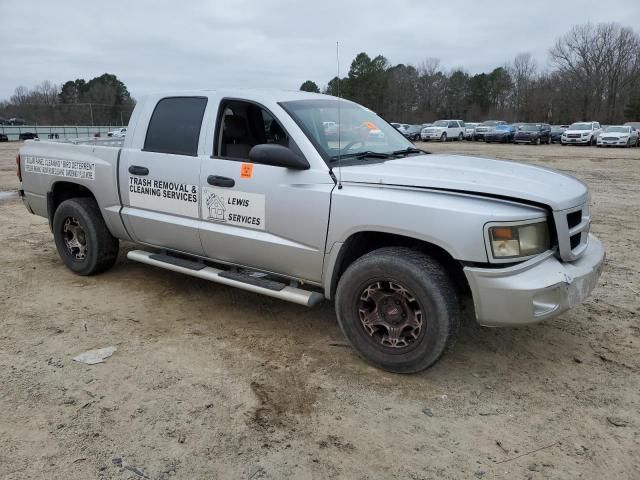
(618, 136)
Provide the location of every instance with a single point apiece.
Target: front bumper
(613, 143)
(535, 290)
(581, 140)
(431, 135)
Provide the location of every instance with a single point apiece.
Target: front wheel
(399, 309)
(460, 137)
(83, 241)
(443, 138)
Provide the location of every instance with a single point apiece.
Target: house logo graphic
(215, 204)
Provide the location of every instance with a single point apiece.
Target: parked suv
(469, 130)
(444, 130)
(535, 133)
(486, 127)
(581, 133)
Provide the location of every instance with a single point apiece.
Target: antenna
(339, 120)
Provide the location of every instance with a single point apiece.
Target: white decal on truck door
(60, 168)
(242, 209)
(163, 196)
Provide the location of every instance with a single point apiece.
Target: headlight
(625, 137)
(585, 134)
(518, 241)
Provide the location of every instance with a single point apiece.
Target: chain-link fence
(56, 132)
(93, 114)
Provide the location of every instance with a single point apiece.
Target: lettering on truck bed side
(232, 207)
(60, 168)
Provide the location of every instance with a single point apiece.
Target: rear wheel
(82, 239)
(398, 308)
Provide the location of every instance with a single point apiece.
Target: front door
(269, 218)
(159, 184)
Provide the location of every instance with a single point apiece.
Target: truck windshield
(353, 132)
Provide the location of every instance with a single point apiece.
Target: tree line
(103, 100)
(594, 74)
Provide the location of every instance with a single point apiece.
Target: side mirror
(277, 156)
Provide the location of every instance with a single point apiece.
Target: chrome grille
(574, 135)
(608, 139)
(572, 228)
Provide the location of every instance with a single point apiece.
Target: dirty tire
(433, 291)
(101, 246)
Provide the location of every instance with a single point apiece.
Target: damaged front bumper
(535, 290)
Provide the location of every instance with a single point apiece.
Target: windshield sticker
(242, 209)
(60, 168)
(164, 196)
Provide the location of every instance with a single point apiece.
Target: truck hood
(474, 175)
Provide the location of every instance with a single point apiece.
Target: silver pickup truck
(305, 197)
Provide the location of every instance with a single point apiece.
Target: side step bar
(233, 279)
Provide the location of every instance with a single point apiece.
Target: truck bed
(92, 163)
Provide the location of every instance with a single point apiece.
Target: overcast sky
(155, 45)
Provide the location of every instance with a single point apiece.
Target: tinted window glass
(175, 126)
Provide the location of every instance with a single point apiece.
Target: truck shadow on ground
(269, 327)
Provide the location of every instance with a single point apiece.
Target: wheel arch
(363, 242)
(64, 190)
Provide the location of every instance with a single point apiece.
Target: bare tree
(602, 61)
(523, 71)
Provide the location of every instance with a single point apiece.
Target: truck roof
(257, 94)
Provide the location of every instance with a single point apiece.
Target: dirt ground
(212, 382)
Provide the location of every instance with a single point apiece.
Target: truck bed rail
(98, 141)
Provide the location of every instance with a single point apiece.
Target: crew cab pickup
(250, 189)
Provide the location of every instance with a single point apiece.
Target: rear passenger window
(175, 126)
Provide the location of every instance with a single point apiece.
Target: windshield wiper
(361, 155)
(408, 150)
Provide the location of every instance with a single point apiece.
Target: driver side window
(242, 125)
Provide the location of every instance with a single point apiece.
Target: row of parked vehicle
(498, 131)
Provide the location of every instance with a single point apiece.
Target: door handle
(220, 181)
(137, 170)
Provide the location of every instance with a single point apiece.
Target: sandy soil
(212, 382)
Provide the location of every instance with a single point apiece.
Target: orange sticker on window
(246, 170)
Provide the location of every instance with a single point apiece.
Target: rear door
(159, 184)
(262, 216)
